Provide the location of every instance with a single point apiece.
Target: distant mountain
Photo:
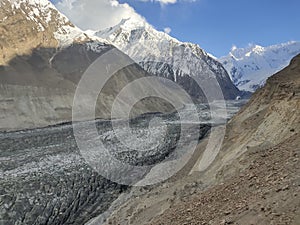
(164, 56)
(250, 67)
(43, 57)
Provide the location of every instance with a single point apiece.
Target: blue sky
(217, 25)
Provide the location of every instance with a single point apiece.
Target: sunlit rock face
(164, 56)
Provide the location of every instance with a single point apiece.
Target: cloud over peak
(101, 14)
(163, 2)
(96, 14)
(167, 30)
(166, 2)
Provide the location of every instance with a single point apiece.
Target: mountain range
(164, 56)
(243, 172)
(250, 67)
(43, 57)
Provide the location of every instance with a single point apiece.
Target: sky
(216, 25)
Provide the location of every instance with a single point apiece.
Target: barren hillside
(255, 178)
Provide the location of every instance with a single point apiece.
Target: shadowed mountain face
(36, 92)
(43, 59)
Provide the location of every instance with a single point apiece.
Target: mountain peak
(257, 49)
(126, 24)
(17, 3)
(239, 53)
(162, 55)
(131, 23)
(38, 20)
(249, 67)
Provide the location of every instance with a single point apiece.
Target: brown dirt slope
(269, 118)
(266, 192)
(257, 179)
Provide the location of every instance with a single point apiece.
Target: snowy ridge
(155, 51)
(162, 55)
(43, 4)
(43, 12)
(250, 67)
(145, 44)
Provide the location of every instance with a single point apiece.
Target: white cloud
(96, 14)
(167, 30)
(233, 48)
(166, 2)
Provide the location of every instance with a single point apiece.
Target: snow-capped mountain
(250, 67)
(162, 55)
(39, 25)
(43, 57)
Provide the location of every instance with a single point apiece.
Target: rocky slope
(254, 179)
(265, 192)
(250, 67)
(271, 116)
(43, 57)
(164, 56)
